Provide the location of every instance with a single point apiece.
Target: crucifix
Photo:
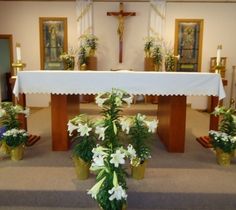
(121, 18)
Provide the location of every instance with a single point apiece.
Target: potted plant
(83, 143)
(109, 157)
(139, 130)
(68, 61)
(82, 57)
(15, 139)
(170, 61)
(148, 45)
(9, 120)
(224, 140)
(157, 56)
(110, 189)
(90, 42)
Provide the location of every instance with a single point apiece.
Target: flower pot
(4, 149)
(138, 172)
(17, 153)
(81, 168)
(223, 158)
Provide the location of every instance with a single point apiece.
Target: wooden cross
(121, 18)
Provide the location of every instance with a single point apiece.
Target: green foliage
(82, 57)
(139, 135)
(149, 43)
(103, 195)
(83, 144)
(157, 55)
(83, 147)
(227, 121)
(9, 118)
(170, 62)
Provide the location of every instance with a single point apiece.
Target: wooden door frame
(201, 23)
(10, 38)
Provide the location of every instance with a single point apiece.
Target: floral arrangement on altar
(68, 61)
(148, 45)
(87, 49)
(170, 61)
(109, 156)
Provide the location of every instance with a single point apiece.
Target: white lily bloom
(100, 101)
(117, 193)
(140, 117)
(95, 189)
(2, 112)
(118, 101)
(98, 161)
(26, 112)
(84, 129)
(117, 158)
(152, 125)
(128, 100)
(131, 151)
(18, 108)
(71, 127)
(99, 151)
(101, 132)
(125, 125)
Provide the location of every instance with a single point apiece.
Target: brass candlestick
(18, 66)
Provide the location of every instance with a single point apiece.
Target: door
(6, 58)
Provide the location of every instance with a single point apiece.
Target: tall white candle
(18, 52)
(218, 55)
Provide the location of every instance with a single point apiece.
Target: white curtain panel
(157, 19)
(84, 12)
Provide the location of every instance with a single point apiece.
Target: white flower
(100, 101)
(117, 158)
(152, 125)
(125, 125)
(118, 101)
(131, 151)
(18, 109)
(26, 112)
(140, 117)
(233, 140)
(71, 127)
(84, 129)
(101, 132)
(95, 189)
(117, 193)
(99, 151)
(2, 112)
(98, 161)
(128, 100)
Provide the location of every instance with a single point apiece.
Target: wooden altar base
(204, 141)
(32, 140)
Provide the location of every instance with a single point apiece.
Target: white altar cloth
(134, 82)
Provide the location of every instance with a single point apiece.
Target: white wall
(22, 20)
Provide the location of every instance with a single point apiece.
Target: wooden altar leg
(172, 119)
(214, 123)
(214, 120)
(62, 108)
(21, 117)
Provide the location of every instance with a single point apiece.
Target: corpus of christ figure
(120, 30)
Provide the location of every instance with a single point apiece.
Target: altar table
(171, 87)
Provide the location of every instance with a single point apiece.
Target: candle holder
(18, 66)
